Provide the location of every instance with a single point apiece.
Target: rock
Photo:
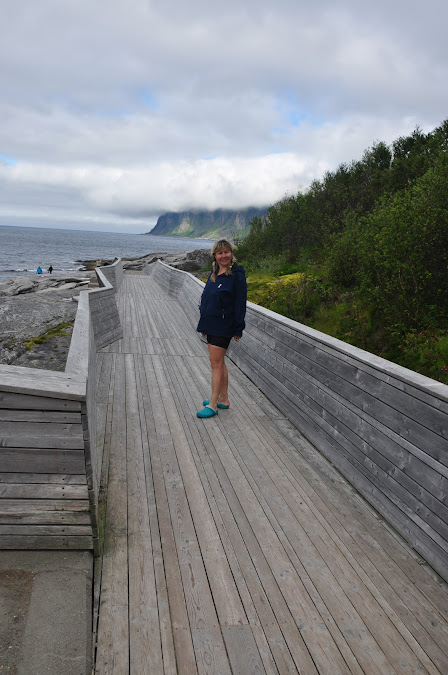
(31, 305)
(18, 286)
(192, 261)
(29, 314)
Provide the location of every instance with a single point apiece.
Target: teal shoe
(207, 412)
(220, 405)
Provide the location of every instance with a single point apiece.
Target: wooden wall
(112, 273)
(49, 460)
(103, 306)
(384, 427)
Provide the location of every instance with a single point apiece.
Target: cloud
(129, 109)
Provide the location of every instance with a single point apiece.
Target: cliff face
(207, 224)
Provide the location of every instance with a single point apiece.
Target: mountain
(207, 224)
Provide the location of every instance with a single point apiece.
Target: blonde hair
(218, 246)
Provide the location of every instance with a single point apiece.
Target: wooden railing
(49, 460)
(384, 427)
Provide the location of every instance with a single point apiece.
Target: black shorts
(219, 341)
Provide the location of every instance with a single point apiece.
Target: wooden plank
(320, 379)
(385, 466)
(321, 434)
(415, 421)
(42, 491)
(66, 479)
(250, 546)
(40, 460)
(322, 586)
(144, 631)
(327, 570)
(179, 620)
(225, 594)
(162, 560)
(47, 529)
(199, 602)
(317, 480)
(323, 421)
(50, 517)
(39, 416)
(35, 435)
(259, 444)
(31, 402)
(38, 382)
(242, 649)
(47, 543)
(270, 639)
(113, 626)
(33, 505)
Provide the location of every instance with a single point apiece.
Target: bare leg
(223, 394)
(219, 373)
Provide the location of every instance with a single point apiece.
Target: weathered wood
(160, 557)
(78, 356)
(51, 517)
(144, 627)
(44, 542)
(53, 530)
(262, 598)
(46, 436)
(113, 626)
(39, 416)
(250, 551)
(31, 402)
(48, 383)
(29, 505)
(66, 479)
(40, 460)
(42, 491)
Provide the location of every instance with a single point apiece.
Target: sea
(23, 249)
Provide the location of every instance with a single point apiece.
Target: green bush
(403, 253)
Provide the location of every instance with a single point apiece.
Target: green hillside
(363, 254)
(207, 224)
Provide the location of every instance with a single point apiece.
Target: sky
(114, 112)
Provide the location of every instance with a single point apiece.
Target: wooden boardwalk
(231, 545)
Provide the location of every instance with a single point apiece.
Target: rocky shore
(37, 312)
(192, 261)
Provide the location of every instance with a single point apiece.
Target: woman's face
(223, 257)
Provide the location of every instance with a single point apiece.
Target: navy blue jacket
(223, 304)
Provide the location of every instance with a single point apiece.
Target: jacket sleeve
(240, 303)
(203, 294)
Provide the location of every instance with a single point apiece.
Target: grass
(58, 331)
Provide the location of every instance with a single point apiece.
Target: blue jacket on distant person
(223, 304)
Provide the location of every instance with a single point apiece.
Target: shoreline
(32, 305)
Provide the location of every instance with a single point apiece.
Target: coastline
(37, 312)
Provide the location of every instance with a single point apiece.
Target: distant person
(50, 269)
(223, 310)
(39, 270)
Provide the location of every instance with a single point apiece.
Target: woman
(223, 308)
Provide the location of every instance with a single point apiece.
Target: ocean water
(22, 249)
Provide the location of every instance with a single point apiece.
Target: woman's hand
(237, 338)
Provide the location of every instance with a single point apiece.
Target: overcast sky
(115, 111)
